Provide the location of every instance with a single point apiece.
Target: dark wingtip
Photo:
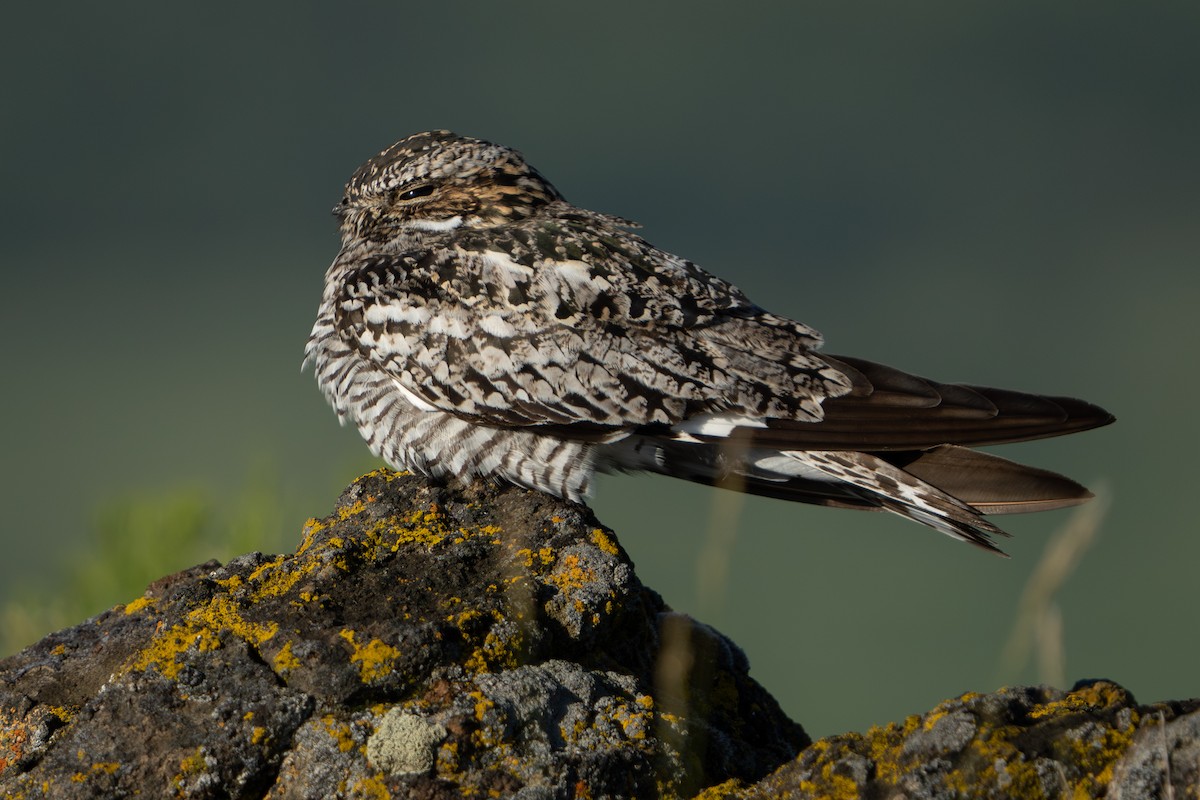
(1084, 415)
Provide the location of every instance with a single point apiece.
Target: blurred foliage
(1038, 630)
(138, 539)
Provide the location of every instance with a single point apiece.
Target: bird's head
(439, 181)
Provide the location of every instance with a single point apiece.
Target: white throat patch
(436, 224)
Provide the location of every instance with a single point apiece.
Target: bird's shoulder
(564, 266)
(570, 318)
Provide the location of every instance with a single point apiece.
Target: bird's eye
(420, 191)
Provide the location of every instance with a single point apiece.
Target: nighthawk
(476, 324)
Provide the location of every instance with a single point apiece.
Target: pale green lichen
(404, 743)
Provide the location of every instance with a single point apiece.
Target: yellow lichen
(1098, 695)
(372, 788)
(285, 661)
(312, 527)
(884, 745)
(822, 780)
(346, 512)
(996, 760)
(64, 713)
(135, 606)
(722, 791)
(576, 730)
(604, 542)
(1096, 756)
(423, 526)
(483, 704)
(232, 583)
(340, 732)
(193, 764)
(635, 724)
(388, 475)
(496, 650)
(268, 583)
(200, 631)
(830, 787)
(375, 659)
(495, 653)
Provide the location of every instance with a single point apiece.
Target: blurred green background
(1005, 194)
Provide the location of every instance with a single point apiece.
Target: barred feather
(477, 324)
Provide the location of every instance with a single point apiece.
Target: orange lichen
(544, 557)
(570, 574)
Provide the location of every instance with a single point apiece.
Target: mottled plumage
(475, 323)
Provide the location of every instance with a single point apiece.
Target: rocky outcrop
(1039, 743)
(422, 642)
(427, 641)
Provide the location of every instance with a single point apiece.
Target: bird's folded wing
(588, 348)
(887, 409)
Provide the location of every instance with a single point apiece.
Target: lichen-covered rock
(431, 642)
(423, 641)
(1039, 743)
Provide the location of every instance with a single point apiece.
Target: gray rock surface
(429, 642)
(423, 641)
(1094, 741)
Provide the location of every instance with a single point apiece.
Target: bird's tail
(949, 488)
(893, 441)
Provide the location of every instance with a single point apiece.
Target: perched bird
(476, 324)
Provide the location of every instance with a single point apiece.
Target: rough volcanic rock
(423, 641)
(1031, 743)
(429, 642)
